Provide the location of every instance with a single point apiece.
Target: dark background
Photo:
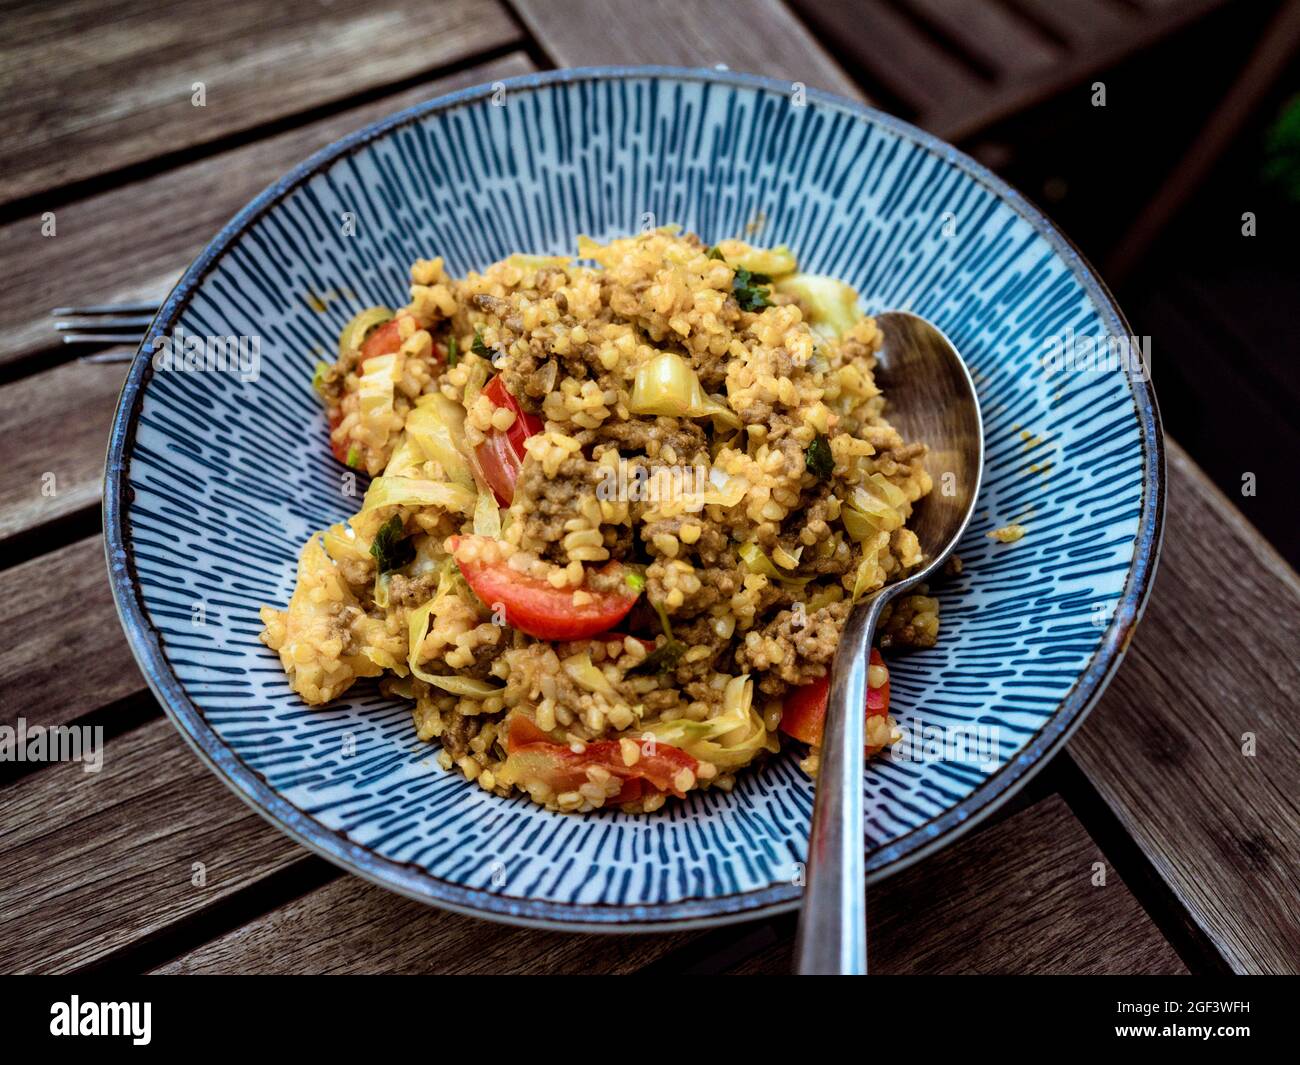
(1159, 212)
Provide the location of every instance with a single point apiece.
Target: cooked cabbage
(437, 425)
(774, 262)
(414, 492)
(667, 385)
(832, 305)
(757, 562)
(417, 627)
(731, 739)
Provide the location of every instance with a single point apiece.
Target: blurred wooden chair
(956, 66)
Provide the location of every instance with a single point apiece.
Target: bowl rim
(414, 882)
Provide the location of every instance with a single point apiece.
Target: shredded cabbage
(413, 492)
(731, 739)
(758, 562)
(417, 627)
(873, 507)
(774, 262)
(725, 489)
(667, 385)
(437, 425)
(375, 394)
(487, 516)
(832, 305)
(586, 675)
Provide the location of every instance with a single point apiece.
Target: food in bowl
(621, 506)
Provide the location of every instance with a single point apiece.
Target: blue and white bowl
(214, 481)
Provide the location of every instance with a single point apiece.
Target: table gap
(309, 874)
(60, 195)
(1134, 868)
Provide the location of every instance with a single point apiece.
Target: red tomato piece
(387, 338)
(337, 446)
(382, 340)
(533, 756)
(803, 715)
(534, 606)
(502, 453)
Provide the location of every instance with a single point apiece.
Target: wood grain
(879, 39)
(160, 223)
(757, 36)
(1022, 891)
(63, 654)
(1016, 898)
(73, 107)
(62, 416)
(1214, 663)
(95, 862)
(1216, 829)
(1008, 46)
(933, 74)
(352, 926)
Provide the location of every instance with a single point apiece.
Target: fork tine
(117, 355)
(105, 308)
(102, 338)
(136, 324)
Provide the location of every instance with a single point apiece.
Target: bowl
(218, 470)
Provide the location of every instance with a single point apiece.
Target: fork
(113, 323)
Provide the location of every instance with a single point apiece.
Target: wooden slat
(897, 53)
(1016, 898)
(74, 106)
(64, 653)
(132, 243)
(1080, 22)
(351, 926)
(759, 36)
(882, 45)
(1213, 663)
(62, 417)
(1008, 45)
(1167, 717)
(95, 862)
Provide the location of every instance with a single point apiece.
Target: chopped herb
(453, 349)
(318, 377)
(390, 550)
(635, 580)
(749, 291)
(662, 658)
(665, 656)
(479, 348)
(818, 459)
(354, 456)
(714, 253)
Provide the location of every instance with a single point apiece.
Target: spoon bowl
(931, 399)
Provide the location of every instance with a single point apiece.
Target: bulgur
(621, 507)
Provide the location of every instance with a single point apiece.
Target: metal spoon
(931, 399)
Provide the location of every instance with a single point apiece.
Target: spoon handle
(833, 922)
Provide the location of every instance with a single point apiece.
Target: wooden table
(1165, 839)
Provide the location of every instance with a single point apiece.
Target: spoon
(931, 399)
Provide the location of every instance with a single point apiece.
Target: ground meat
(553, 501)
(411, 591)
(804, 644)
(457, 731)
(686, 438)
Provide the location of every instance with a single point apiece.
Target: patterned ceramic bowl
(215, 479)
